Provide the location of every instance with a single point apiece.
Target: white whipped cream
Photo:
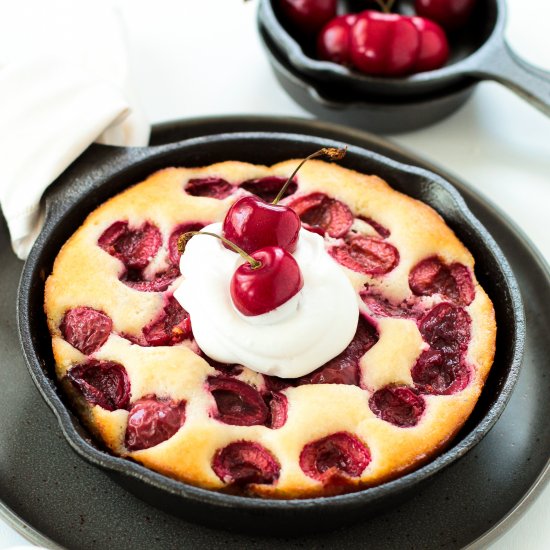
(292, 340)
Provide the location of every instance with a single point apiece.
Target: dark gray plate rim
(205, 126)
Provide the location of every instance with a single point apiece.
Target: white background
(203, 57)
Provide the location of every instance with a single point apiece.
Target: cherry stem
(185, 237)
(332, 153)
(386, 7)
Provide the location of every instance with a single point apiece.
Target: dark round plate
(78, 506)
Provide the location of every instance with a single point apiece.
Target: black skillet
(104, 171)
(328, 102)
(479, 51)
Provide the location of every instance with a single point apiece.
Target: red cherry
(135, 247)
(385, 44)
(366, 255)
(308, 15)
(103, 383)
(252, 223)
(337, 454)
(214, 188)
(399, 405)
(171, 327)
(152, 420)
(257, 290)
(86, 329)
(446, 328)
(158, 283)
(278, 410)
(434, 48)
(432, 276)
(450, 14)
(334, 39)
(268, 188)
(438, 372)
(245, 462)
(237, 403)
(322, 214)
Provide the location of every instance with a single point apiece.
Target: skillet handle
(503, 65)
(87, 171)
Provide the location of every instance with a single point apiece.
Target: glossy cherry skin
(434, 48)
(308, 15)
(334, 40)
(384, 44)
(252, 223)
(277, 280)
(450, 14)
(395, 45)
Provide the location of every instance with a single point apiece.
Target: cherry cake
(126, 357)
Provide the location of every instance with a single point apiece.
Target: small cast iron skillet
(104, 171)
(393, 116)
(478, 52)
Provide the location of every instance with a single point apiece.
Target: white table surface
(194, 58)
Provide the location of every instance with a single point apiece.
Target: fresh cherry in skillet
(308, 16)
(384, 44)
(333, 41)
(251, 223)
(434, 48)
(450, 14)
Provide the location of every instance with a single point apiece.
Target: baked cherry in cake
(129, 359)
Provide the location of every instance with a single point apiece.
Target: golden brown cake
(126, 357)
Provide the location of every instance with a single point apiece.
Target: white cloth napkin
(64, 83)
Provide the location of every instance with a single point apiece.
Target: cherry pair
(385, 44)
(265, 235)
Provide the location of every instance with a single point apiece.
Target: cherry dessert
(270, 437)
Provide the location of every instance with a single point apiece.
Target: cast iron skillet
(104, 171)
(328, 102)
(478, 52)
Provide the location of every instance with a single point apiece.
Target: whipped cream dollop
(290, 341)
